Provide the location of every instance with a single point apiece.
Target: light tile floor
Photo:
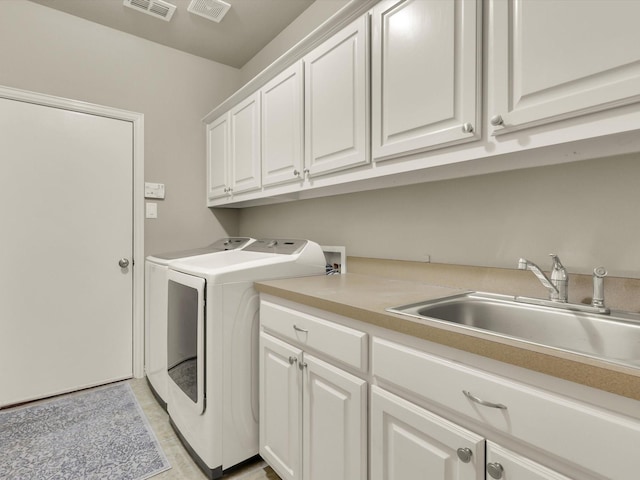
(182, 466)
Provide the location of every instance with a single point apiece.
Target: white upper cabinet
(336, 101)
(282, 127)
(552, 60)
(245, 145)
(425, 75)
(218, 138)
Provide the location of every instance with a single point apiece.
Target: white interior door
(66, 216)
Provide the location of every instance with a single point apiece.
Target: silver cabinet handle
(484, 403)
(296, 173)
(495, 470)
(306, 170)
(292, 360)
(464, 454)
(298, 329)
(302, 365)
(467, 128)
(496, 120)
(123, 262)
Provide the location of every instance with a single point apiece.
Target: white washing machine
(213, 346)
(155, 312)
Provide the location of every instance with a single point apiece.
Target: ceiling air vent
(155, 8)
(210, 9)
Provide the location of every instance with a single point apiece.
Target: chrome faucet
(558, 283)
(558, 287)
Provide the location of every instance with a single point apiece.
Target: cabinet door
(336, 93)
(554, 60)
(410, 442)
(282, 121)
(245, 145)
(280, 406)
(334, 423)
(425, 75)
(502, 463)
(218, 157)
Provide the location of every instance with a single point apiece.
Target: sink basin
(614, 337)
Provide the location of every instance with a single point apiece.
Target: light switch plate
(151, 210)
(153, 190)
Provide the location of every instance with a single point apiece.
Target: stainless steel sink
(614, 337)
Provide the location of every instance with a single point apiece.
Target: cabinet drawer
(330, 339)
(598, 440)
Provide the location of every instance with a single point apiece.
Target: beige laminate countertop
(364, 298)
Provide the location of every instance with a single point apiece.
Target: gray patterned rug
(98, 434)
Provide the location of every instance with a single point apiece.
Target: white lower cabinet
(334, 422)
(503, 463)
(430, 417)
(591, 441)
(409, 442)
(313, 415)
(280, 406)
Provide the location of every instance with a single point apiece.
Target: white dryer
(155, 311)
(213, 346)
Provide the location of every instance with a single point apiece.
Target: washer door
(186, 335)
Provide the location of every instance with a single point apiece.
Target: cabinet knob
(496, 120)
(296, 173)
(467, 128)
(292, 360)
(306, 171)
(495, 470)
(464, 454)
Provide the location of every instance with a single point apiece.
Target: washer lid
(284, 246)
(231, 243)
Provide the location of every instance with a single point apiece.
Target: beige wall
(47, 51)
(587, 212)
(307, 21)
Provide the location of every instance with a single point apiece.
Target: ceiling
(247, 27)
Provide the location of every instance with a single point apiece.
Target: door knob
(123, 262)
